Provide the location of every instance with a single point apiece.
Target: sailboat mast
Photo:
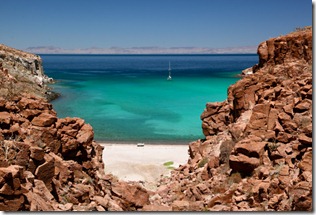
(169, 77)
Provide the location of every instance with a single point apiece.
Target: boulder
(303, 106)
(85, 134)
(259, 117)
(44, 120)
(305, 139)
(5, 117)
(37, 153)
(250, 148)
(40, 198)
(306, 164)
(135, 196)
(243, 163)
(46, 171)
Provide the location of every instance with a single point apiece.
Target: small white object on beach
(140, 144)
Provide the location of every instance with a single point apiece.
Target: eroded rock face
(22, 72)
(257, 151)
(52, 164)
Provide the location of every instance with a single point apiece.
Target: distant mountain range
(142, 50)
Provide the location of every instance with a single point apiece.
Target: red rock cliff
(257, 151)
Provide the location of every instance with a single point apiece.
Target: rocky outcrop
(257, 151)
(52, 164)
(25, 73)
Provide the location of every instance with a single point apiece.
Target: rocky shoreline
(23, 74)
(256, 155)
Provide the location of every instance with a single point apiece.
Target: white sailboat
(169, 77)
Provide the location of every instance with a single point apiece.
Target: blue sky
(140, 23)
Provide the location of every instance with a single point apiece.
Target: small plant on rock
(273, 146)
(169, 164)
(203, 162)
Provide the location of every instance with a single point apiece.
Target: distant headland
(143, 50)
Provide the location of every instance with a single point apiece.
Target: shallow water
(128, 98)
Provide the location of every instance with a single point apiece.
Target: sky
(72, 24)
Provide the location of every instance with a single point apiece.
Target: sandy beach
(147, 163)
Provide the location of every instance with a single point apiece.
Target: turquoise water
(128, 98)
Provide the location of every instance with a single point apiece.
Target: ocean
(127, 98)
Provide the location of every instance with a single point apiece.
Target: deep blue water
(128, 97)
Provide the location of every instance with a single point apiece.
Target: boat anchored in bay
(169, 77)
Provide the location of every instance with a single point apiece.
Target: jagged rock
(259, 117)
(85, 134)
(305, 139)
(243, 163)
(46, 171)
(250, 147)
(113, 206)
(101, 201)
(37, 153)
(11, 197)
(215, 118)
(262, 132)
(44, 120)
(302, 106)
(246, 155)
(237, 129)
(306, 163)
(25, 70)
(5, 117)
(307, 175)
(135, 196)
(301, 194)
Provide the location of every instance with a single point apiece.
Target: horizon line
(153, 54)
(143, 50)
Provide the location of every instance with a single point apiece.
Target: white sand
(129, 162)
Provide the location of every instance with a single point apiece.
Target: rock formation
(257, 151)
(25, 73)
(47, 163)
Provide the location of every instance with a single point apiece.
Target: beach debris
(140, 144)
